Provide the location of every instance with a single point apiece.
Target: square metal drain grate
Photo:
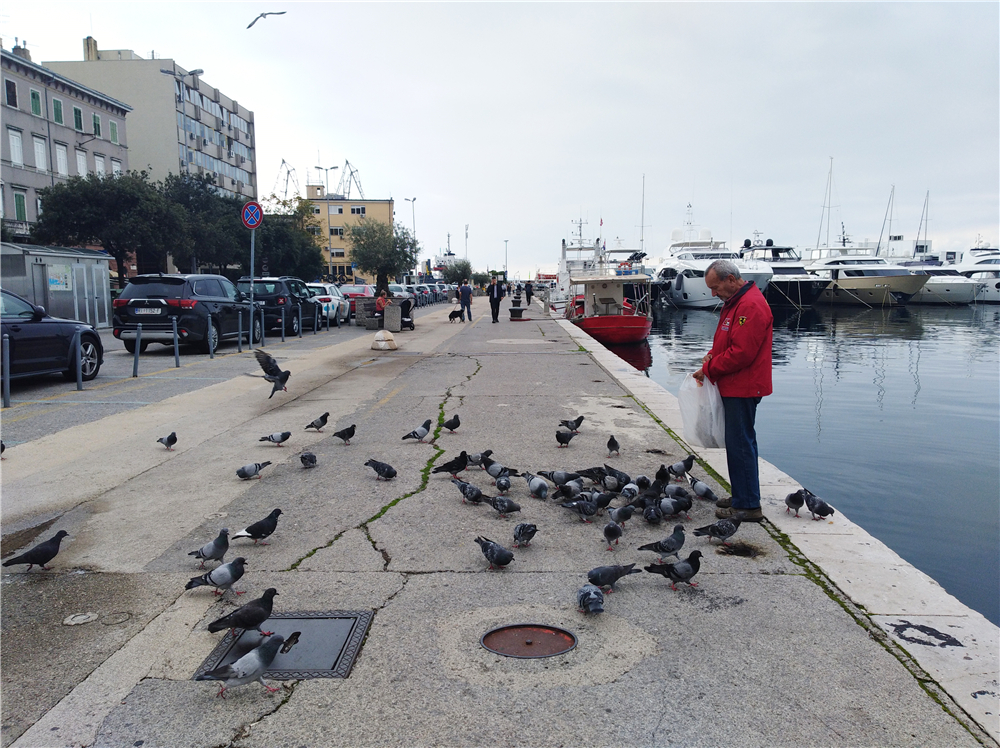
(321, 644)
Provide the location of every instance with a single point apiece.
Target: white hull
(946, 290)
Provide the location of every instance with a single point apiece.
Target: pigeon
(629, 492)
(503, 483)
(265, 15)
(495, 469)
(215, 550)
(583, 509)
(478, 457)
(682, 571)
(570, 490)
(221, 577)
(420, 432)
(250, 616)
(252, 470)
(573, 425)
(452, 423)
(623, 478)
(590, 599)
(2, 448)
(523, 534)
(272, 372)
(672, 506)
(612, 532)
(319, 423)
(308, 459)
(620, 515)
(816, 505)
(503, 505)
(642, 482)
(168, 441)
(470, 494)
(558, 477)
(723, 530)
(702, 489)
(384, 470)
(260, 530)
(613, 446)
(676, 490)
(496, 554)
(680, 469)
(249, 668)
(795, 501)
(662, 474)
(277, 438)
(608, 576)
(455, 466)
(603, 500)
(669, 546)
(537, 487)
(565, 437)
(346, 434)
(41, 554)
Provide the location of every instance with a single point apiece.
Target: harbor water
(891, 415)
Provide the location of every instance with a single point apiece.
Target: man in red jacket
(740, 364)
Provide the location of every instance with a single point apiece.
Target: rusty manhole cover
(528, 641)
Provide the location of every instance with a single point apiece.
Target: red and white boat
(611, 304)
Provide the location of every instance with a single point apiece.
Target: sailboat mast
(827, 198)
(888, 217)
(924, 220)
(642, 214)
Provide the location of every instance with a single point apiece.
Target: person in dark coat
(496, 293)
(528, 292)
(465, 299)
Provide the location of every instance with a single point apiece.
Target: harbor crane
(289, 173)
(348, 176)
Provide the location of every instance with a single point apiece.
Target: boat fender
(679, 283)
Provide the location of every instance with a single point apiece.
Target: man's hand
(699, 377)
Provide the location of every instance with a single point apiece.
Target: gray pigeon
(537, 487)
(523, 534)
(795, 500)
(477, 458)
(41, 554)
(319, 423)
(723, 530)
(214, 551)
(250, 616)
(260, 530)
(682, 571)
(346, 434)
(168, 441)
(496, 554)
(702, 489)
(816, 505)
(277, 438)
(629, 492)
(221, 577)
(252, 470)
(612, 532)
(608, 576)
(670, 507)
(573, 425)
(383, 470)
(248, 668)
(653, 514)
(621, 514)
(470, 494)
(583, 509)
(603, 500)
(676, 490)
(642, 482)
(569, 490)
(565, 437)
(503, 505)
(272, 372)
(669, 546)
(308, 460)
(679, 469)
(613, 446)
(558, 477)
(420, 432)
(503, 483)
(494, 469)
(590, 599)
(452, 423)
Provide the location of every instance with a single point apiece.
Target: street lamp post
(505, 261)
(329, 244)
(413, 214)
(181, 77)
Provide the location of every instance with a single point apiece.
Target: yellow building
(333, 214)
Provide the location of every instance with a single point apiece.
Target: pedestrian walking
(528, 292)
(740, 364)
(465, 299)
(496, 294)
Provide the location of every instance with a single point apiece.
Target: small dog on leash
(456, 314)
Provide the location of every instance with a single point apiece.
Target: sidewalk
(765, 651)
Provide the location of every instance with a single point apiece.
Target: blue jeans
(741, 450)
(466, 310)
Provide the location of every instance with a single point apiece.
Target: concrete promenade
(824, 638)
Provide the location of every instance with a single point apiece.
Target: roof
(38, 249)
(9, 58)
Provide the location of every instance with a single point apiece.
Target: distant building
(179, 123)
(334, 213)
(54, 129)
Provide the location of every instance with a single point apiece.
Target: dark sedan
(40, 344)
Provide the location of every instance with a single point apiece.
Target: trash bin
(393, 317)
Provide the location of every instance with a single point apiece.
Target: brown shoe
(724, 503)
(744, 515)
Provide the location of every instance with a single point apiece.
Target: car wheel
(257, 330)
(130, 346)
(293, 326)
(211, 342)
(91, 360)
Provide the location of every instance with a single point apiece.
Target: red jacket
(741, 350)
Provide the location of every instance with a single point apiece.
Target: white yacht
(983, 267)
(865, 280)
(791, 285)
(945, 285)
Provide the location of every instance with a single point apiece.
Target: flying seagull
(265, 15)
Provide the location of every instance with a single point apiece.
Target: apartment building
(334, 213)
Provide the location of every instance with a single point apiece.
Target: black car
(40, 344)
(207, 308)
(284, 292)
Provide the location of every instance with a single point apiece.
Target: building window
(116, 167)
(81, 163)
(77, 119)
(338, 253)
(62, 160)
(36, 102)
(97, 124)
(113, 131)
(99, 165)
(336, 231)
(38, 206)
(314, 230)
(357, 210)
(316, 209)
(20, 206)
(16, 154)
(336, 210)
(57, 111)
(41, 162)
(11, 89)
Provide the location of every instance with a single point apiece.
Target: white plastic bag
(702, 414)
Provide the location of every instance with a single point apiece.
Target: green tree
(214, 228)
(480, 279)
(123, 213)
(458, 271)
(380, 249)
(284, 239)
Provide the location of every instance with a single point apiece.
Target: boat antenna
(826, 207)
(888, 217)
(642, 214)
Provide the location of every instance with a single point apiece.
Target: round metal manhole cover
(528, 641)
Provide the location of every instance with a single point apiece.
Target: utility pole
(467, 241)
(505, 259)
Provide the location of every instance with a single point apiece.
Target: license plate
(146, 310)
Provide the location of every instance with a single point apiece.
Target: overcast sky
(518, 119)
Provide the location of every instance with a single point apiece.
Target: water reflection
(639, 355)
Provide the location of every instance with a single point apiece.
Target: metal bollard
(138, 344)
(300, 318)
(262, 326)
(315, 318)
(177, 345)
(6, 371)
(239, 331)
(282, 324)
(211, 348)
(78, 354)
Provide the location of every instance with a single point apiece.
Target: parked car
(397, 291)
(42, 344)
(334, 303)
(282, 293)
(425, 291)
(418, 298)
(207, 308)
(442, 291)
(354, 292)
